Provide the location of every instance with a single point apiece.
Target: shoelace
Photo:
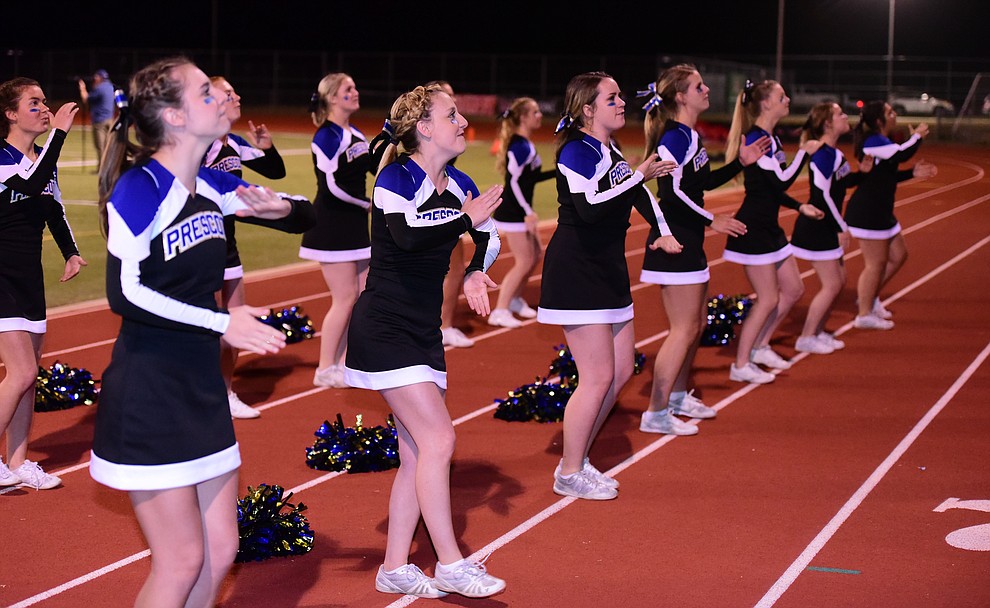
(36, 475)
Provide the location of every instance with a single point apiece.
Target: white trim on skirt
(812, 255)
(694, 277)
(757, 259)
(328, 257)
(133, 477)
(556, 316)
(393, 378)
(875, 235)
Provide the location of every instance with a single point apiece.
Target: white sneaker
(872, 321)
(469, 579)
(831, 340)
(665, 423)
(407, 579)
(30, 474)
(592, 470)
(749, 373)
(880, 311)
(7, 478)
(239, 409)
(456, 338)
(330, 377)
(581, 485)
(521, 308)
(813, 345)
(692, 407)
(501, 317)
(764, 355)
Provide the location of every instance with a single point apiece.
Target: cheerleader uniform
(682, 201)
(394, 338)
(522, 173)
(340, 159)
(870, 213)
(29, 199)
(230, 157)
(766, 183)
(585, 277)
(163, 419)
(830, 177)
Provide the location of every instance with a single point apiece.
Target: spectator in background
(100, 101)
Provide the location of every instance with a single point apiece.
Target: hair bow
(565, 122)
(654, 101)
(747, 91)
(314, 102)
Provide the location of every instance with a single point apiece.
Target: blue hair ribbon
(565, 122)
(654, 101)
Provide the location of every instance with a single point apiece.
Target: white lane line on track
(564, 502)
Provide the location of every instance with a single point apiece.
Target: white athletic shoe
(692, 407)
(813, 345)
(7, 477)
(407, 579)
(456, 338)
(880, 311)
(831, 340)
(501, 317)
(603, 479)
(469, 579)
(764, 355)
(239, 409)
(872, 321)
(521, 308)
(582, 485)
(31, 474)
(665, 423)
(749, 373)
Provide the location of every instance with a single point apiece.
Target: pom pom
(61, 387)
(267, 529)
(724, 314)
(639, 361)
(290, 321)
(356, 450)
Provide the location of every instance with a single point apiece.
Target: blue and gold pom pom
(270, 526)
(61, 387)
(724, 314)
(356, 450)
(290, 321)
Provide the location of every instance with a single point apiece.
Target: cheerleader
(822, 242)
(422, 206)
(675, 102)
(163, 428)
(231, 153)
(585, 285)
(870, 213)
(340, 240)
(515, 217)
(29, 200)
(764, 251)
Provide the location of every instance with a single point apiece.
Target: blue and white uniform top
(30, 199)
(394, 335)
(341, 163)
(682, 201)
(766, 182)
(831, 176)
(585, 278)
(870, 213)
(523, 170)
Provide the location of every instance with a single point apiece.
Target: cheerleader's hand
(844, 240)
(924, 169)
(481, 207)
(668, 243)
(246, 332)
(476, 286)
(809, 210)
(752, 153)
(866, 165)
(726, 224)
(62, 119)
(921, 130)
(262, 202)
(72, 267)
(259, 137)
(811, 146)
(532, 222)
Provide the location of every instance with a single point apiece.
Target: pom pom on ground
(270, 526)
(61, 387)
(356, 450)
(724, 314)
(290, 321)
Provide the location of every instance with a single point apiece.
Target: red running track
(830, 487)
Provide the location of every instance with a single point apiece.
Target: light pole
(890, 49)
(778, 72)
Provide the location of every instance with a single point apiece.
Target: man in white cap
(100, 100)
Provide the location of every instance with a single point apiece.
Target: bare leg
(876, 255)
(526, 248)
(763, 279)
(791, 289)
(832, 275)
(231, 295)
(676, 355)
(344, 281)
(422, 484)
(20, 352)
(895, 260)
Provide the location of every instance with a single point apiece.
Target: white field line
(562, 503)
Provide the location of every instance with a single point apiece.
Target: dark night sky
(939, 28)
